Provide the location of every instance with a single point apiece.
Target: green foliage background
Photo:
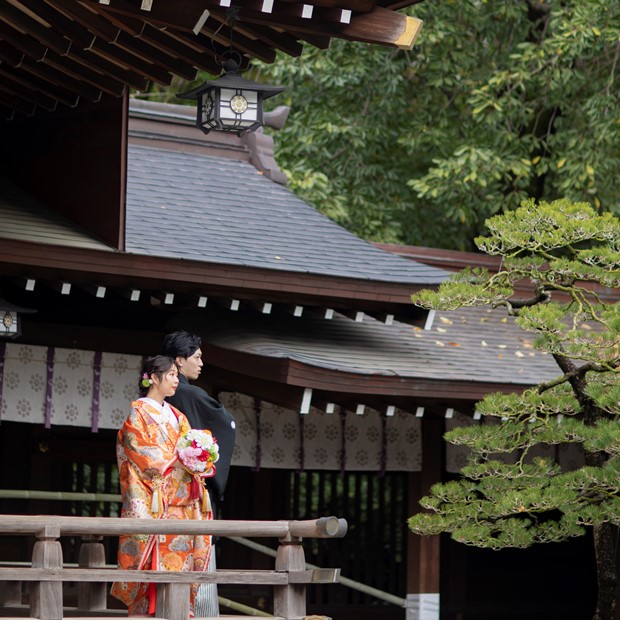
(500, 100)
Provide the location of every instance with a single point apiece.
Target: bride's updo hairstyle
(157, 365)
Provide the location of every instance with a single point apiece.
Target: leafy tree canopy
(508, 495)
(500, 100)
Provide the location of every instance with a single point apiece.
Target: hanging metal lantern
(10, 319)
(231, 103)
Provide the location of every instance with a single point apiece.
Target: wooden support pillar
(290, 601)
(92, 595)
(46, 596)
(423, 552)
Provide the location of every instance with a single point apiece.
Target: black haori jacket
(203, 411)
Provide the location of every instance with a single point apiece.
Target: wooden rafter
(57, 52)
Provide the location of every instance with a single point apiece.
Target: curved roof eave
(468, 353)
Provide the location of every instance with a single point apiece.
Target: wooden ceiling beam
(184, 15)
(10, 86)
(384, 27)
(205, 58)
(93, 62)
(129, 61)
(212, 31)
(157, 56)
(59, 79)
(22, 22)
(132, 26)
(174, 43)
(359, 6)
(380, 26)
(35, 83)
(282, 41)
(25, 44)
(60, 22)
(89, 74)
(401, 4)
(17, 104)
(10, 56)
(155, 44)
(321, 43)
(86, 18)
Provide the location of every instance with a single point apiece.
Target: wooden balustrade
(47, 573)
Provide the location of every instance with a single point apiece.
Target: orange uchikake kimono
(154, 485)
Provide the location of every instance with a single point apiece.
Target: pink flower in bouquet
(198, 451)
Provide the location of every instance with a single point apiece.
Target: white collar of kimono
(167, 415)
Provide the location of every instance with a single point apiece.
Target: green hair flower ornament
(146, 381)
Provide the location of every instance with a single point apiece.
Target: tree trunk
(605, 537)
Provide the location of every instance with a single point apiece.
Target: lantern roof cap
(232, 78)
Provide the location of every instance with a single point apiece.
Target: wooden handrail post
(92, 595)
(173, 601)
(46, 596)
(290, 601)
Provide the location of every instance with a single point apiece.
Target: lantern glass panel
(239, 106)
(207, 107)
(9, 326)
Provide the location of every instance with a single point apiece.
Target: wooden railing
(47, 573)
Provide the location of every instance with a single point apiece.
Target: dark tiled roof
(24, 218)
(204, 208)
(478, 345)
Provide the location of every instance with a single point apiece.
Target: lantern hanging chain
(232, 17)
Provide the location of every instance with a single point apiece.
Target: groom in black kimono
(203, 412)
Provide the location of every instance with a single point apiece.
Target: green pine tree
(570, 255)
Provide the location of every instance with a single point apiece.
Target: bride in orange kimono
(155, 485)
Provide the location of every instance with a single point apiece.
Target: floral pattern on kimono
(151, 488)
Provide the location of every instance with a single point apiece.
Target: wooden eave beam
(157, 56)
(359, 6)
(184, 46)
(160, 39)
(380, 26)
(22, 22)
(92, 21)
(44, 86)
(25, 44)
(9, 55)
(89, 74)
(17, 104)
(384, 27)
(148, 272)
(182, 15)
(158, 48)
(321, 43)
(244, 44)
(130, 61)
(60, 79)
(28, 48)
(98, 65)
(10, 86)
(84, 38)
(402, 4)
(282, 41)
(60, 22)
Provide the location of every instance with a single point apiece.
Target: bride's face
(167, 385)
